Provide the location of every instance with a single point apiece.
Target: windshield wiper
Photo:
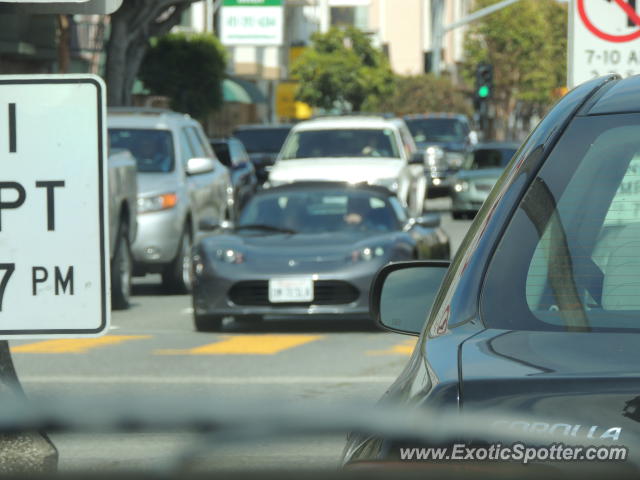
(267, 228)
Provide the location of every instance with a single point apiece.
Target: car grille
(325, 292)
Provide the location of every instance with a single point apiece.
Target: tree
(425, 93)
(189, 69)
(526, 44)
(342, 69)
(132, 25)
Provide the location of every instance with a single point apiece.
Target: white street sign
(604, 37)
(252, 22)
(53, 258)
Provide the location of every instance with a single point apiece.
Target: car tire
(121, 270)
(178, 276)
(207, 323)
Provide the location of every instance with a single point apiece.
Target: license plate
(290, 290)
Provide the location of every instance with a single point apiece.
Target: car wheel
(207, 323)
(178, 276)
(121, 271)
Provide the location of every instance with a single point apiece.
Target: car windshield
(439, 130)
(353, 142)
(262, 140)
(152, 149)
(570, 258)
(321, 211)
(490, 158)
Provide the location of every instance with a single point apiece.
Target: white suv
(354, 149)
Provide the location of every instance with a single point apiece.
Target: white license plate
(290, 290)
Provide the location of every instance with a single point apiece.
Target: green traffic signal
(483, 91)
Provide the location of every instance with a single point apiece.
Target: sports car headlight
(389, 183)
(157, 202)
(461, 186)
(432, 155)
(229, 255)
(367, 254)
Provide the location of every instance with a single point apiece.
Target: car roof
(326, 123)
(617, 96)
(146, 117)
(423, 116)
(320, 184)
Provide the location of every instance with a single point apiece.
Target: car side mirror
(403, 293)
(200, 165)
(417, 158)
(429, 220)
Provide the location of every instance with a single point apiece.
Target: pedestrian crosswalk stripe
(247, 345)
(74, 345)
(404, 348)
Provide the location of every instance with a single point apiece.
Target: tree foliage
(425, 93)
(189, 69)
(132, 26)
(342, 69)
(526, 44)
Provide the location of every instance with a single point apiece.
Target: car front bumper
(232, 290)
(158, 238)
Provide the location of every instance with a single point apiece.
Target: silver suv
(181, 183)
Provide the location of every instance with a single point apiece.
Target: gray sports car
(308, 248)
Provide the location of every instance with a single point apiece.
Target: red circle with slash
(628, 10)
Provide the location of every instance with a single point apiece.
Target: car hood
(585, 382)
(156, 183)
(491, 174)
(351, 170)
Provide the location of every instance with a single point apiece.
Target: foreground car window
(341, 143)
(570, 258)
(152, 149)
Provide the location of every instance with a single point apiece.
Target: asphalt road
(152, 349)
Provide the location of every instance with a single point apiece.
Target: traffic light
(484, 81)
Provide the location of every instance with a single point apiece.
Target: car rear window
(570, 257)
(152, 149)
(262, 140)
(344, 142)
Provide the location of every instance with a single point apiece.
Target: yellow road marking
(246, 345)
(74, 345)
(404, 348)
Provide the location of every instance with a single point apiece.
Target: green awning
(241, 91)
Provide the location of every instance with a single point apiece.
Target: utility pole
(439, 29)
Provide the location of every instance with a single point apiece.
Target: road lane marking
(247, 345)
(150, 380)
(74, 345)
(404, 348)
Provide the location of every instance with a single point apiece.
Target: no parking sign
(604, 37)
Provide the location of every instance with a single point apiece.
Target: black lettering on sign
(12, 128)
(64, 282)
(22, 195)
(8, 268)
(36, 279)
(51, 211)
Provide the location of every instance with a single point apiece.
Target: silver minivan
(180, 184)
